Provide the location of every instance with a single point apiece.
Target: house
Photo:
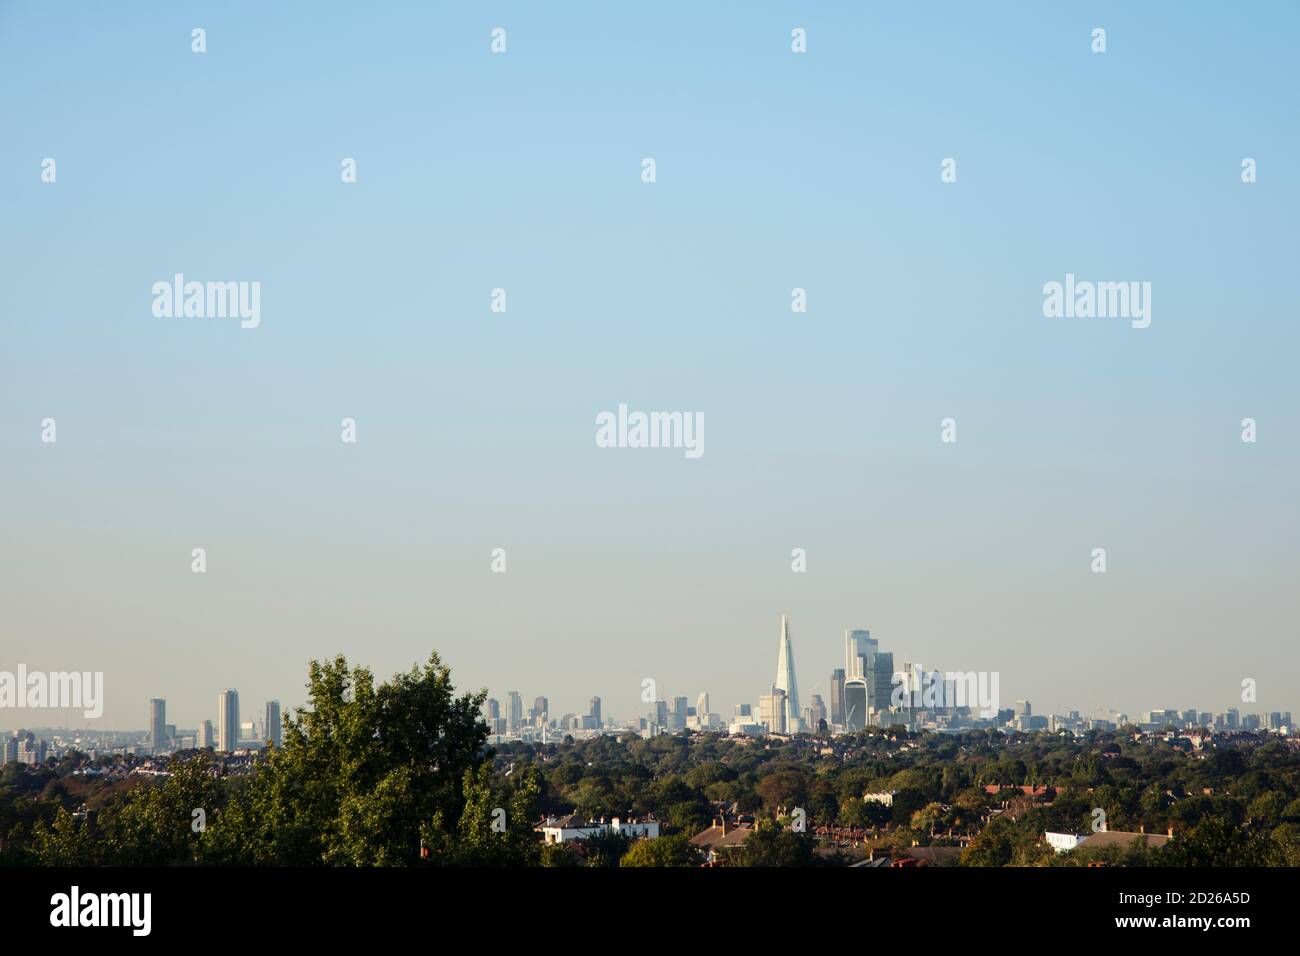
(571, 828)
(720, 840)
(1121, 838)
(1064, 842)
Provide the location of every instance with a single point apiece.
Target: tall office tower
(858, 649)
(157, 723)
(677, 717)
(874, 668)
(818, 710)
(228, 721)
(785, 679)
(541, 710)
(1275, 720)
(516, 715)
(773, 709)
(744, 710)
(271, 728)
(1189, 718)
(1024, 709)
(10, 748)
(837, 696)
(857, 703)
(882, 679)
(702, 709)
(1231, 718)
(661, 712)
(1206, 719)
(491, 709)
(205, 736)
(595, 711)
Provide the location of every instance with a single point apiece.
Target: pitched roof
(713, 838)
(1123, 839)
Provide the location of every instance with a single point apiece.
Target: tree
(770, 845)
(362, 775)
(661, 851)
(1216, 842)
(153, 824)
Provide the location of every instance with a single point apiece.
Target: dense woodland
(398, 773)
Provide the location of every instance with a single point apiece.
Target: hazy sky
(775, 170)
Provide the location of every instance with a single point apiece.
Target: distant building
(785, 680)
(228, 721)
(856, 703)
(271, 728)
(541, 710)
(516, 715)
(204, 737)
(772, 711)
(837, 696)
(31, 749)
(594, 711)
(818, 710)
(157, 723)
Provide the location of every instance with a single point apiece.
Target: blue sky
(775, 170)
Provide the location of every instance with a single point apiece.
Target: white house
(1064, 842)
(885, 797)
(570, 828)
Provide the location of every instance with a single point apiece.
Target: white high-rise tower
(785, 679)
(228, 721)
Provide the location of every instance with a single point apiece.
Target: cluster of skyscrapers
(230, 735)
(537, 722)
(868, 691)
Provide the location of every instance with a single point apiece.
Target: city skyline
(864, 658)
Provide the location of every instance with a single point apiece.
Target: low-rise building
(570, 828)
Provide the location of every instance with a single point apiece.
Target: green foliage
(662, 851)
(770, 845)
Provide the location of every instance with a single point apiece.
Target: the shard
(785, 678)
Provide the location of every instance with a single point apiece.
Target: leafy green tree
(770, 845)
(362, 773)
(152, 824)
(661, 851)
(1217, 842)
